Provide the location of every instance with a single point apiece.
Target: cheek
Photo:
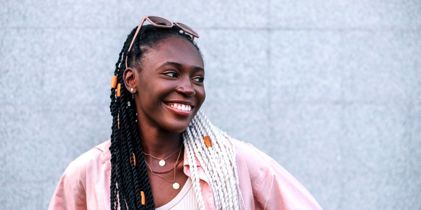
(149, 98)
(152, 95)
(201, 95)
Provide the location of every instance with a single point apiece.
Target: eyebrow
(180, 66)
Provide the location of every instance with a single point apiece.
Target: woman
(163, 152)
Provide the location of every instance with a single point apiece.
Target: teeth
(182, 107)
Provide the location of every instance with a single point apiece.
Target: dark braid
(128, 180)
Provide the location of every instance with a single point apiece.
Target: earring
(132, 90)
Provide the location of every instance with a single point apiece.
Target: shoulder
(88, 160)
(259, 165)
(248, 154)
(243, 148)
(77, 179)
(272, 186)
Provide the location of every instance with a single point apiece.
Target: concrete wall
(330, 89)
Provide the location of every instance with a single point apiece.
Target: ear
(131, 77)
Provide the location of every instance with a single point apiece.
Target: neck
(157, 142)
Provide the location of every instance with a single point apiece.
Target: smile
(180, 108)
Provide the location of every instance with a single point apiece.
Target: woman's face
(169, 85)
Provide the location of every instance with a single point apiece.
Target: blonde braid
(200, 148)
(215, 167)
(194, 174)
(228, 158)
(218, 163)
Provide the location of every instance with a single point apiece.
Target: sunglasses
(160, 22)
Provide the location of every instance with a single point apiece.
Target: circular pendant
(176, 186)
(162, 163)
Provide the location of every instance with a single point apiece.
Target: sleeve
(276, 189)
(70, 191)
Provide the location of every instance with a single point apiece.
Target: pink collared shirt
(264, 184)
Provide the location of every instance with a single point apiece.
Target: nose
(185, 87)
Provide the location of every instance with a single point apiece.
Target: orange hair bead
(114, 82)
(118, 89)
(142, 198)
(208, 141)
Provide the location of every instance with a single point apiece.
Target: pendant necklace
(175, 185)
(162, 161)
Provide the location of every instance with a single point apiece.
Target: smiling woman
(168, 85)
(163, 152)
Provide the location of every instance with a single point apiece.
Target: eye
(171, 74)
(199, 79)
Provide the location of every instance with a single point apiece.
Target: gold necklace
(162, 161)
(175, 185)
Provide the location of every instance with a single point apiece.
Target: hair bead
(118, 120)
(113, 81)
(118, 90)
(142, 198)
(207, 140)
(133, 159)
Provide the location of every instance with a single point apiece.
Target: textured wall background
(331, 89)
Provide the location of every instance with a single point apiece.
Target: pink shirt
(264, 184)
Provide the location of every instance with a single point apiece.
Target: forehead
(173, 49)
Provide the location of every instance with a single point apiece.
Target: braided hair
(214, 151)
(130, 187)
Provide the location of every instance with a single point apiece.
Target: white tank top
(184, 200)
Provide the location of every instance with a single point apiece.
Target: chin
(177, 126)
(177, 123)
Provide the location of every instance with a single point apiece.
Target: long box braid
(129, 179)
(217, 160)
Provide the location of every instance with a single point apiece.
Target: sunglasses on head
(160, 22)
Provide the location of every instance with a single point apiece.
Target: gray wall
(330, 89)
